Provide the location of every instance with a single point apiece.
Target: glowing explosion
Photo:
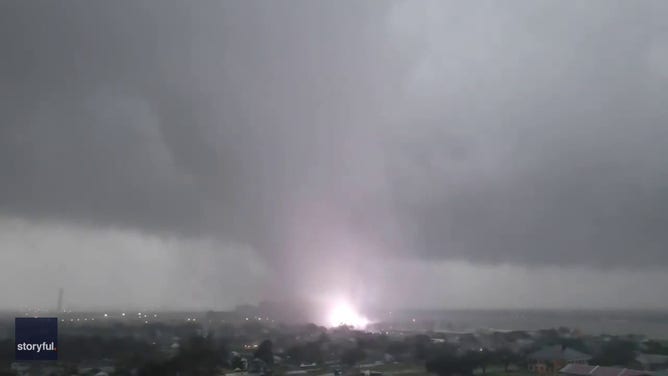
(344, 314)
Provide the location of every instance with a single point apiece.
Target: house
(549, 360)
(20, 368)
(28, 369)
(96, 367)
(652, 362)
(575, 369)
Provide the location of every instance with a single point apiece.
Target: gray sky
(172, 154)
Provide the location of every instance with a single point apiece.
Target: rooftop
(586, 370)
(559, 353)
(652, 358)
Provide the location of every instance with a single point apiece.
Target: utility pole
(60, 300)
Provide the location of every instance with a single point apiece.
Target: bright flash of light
(344, 314)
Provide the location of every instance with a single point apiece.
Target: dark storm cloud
(528, 134)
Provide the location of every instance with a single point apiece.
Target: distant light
(413, 320)
(146, 322)
(139, 313)
(259, 319)
(123, 314)
(71, 320)
(155, 315)
(342, 313)
(106, 315)
(62, 320)
(246, 318)
(194, 319)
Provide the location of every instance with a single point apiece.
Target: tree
(475, 359)
(197, 356)
(265, 352)
(311, 328)
(397, 348)
(574, 343)
(482, 359)
(506, 357)
(312, 352)
(295, 353)
(307, 353)
(353, 356)
(445, 363)
(238, 362)
(655, 347)
(617, 352)
(421, 346)
(323, 338)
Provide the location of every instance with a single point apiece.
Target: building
(549, 360)
(574, 369)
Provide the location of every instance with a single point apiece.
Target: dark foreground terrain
(216, 343)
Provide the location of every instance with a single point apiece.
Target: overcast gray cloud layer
(524, 133)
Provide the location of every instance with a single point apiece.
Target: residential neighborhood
(216, 344)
